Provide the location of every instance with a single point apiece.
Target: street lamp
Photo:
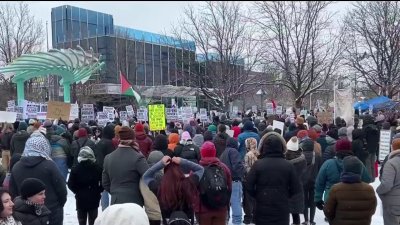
(261, 93)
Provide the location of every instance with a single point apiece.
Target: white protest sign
(230, 133)
(8, 117)
(20, 112)
(171, 114)
(31, 110)
(129, 110)
(203, 115)
(42, 114)
(11, 103)
(142, 114)
(279, 110)
(384, 144)
(110, 111)
(270, 108)
(254, 108)
(123, 115)
(74, 113)
(10, 109)
(278, 124)
(87, 114)
(102, 118)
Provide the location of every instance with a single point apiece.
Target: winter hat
(32, 121)
(248, 125)
(312, 134)
(139, 127)
(47, 123)
(160, 142)
(22, 126)
(154, 157)
(236, 132)
(293, 144)
(343, 145)
(127, 133)
(251, 144)
(317, 128)
(77, 120)
(37, 145)
(352, 164)
(59, 130)
(300, 120)
(31, 187)
(117, 129)
(185, 136)
(208, 136)
(208, 150)
(302, 134)
(86, 154)
(123, 214)
(232, 143)
(307, 145)
(212, 128)
(396, 144)
(342, 132)
(82, 132)
(312, 121)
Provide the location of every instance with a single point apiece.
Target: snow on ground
(70, 217)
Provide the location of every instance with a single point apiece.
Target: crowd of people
(196, 174)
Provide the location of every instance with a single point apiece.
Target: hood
(272, 144)
(173, 138)
(309, 156)
(357, 134)
(232, 143)
(307, 145)
(298, 159)
(224, 136)
(394, 153)
(330, 140)
(160, 142)
(236, 131)
(108, 132)
(31, 161)
(140, 135)
(205, 161)
(21, 135)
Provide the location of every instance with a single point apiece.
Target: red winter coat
(200, 208)
(145, 143)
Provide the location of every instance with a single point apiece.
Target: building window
(172, 66)
(92, 17)
(149, 64)
(164, 65)
(83, 15)
(76, 30)
(157, 64)
(75, 13)
(58, 13)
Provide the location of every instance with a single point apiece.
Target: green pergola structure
(73, 66)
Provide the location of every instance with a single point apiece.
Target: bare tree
(20, 33)
(227, 48)
(299, 44)
(373, 49)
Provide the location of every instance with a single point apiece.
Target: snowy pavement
(70, 217)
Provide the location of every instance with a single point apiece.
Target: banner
(344, 104)
(171, 114)
(384, 144)
(57, 110)
(157, 117)
(8, 117)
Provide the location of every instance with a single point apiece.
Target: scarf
(37, 145)
(9, 221)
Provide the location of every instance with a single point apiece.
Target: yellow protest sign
(157, 117)
(57, 110)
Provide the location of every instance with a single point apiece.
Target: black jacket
(357, 145)
(85, 182)
(232, 159)
(272, 181)
(6, 140)
(372, 136)
(18, 141)
(105, 145)
(46, 171)
(77, 145)
(220, 143)
(27, 214)
(188, 151)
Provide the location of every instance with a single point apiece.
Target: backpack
(214, 191)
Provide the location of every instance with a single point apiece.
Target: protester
(208, 136)
(207, 211)
(6, 209)
(372, 138)
(123, 169)
(272, 181)
(18, 140)
(29, 208)
(82, 141)
(144, 142)
(249, 160)
(172, 182)
(220, 139)
(231, 158)
(85, 182)
(330, 151)
(161, 144)
(198, 138)
(187, 149)
(351, 201)
(173, 140)
(31, 124)
(389, 188)
(6, 137)
(36, 163)
(123, 214)
(358, 145)
(247, 133)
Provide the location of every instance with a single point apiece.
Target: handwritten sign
(172, 114)
(102, 118)
(11, 103)
(157, 117)
(57, 110)
(74, 112)
(279, 110)
(325, 117)
(384, 144)
(123, 115)
(142, 114)
(87, 114)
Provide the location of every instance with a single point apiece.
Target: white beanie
(123, 214)
(293, 144)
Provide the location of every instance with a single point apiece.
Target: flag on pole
(127, 89)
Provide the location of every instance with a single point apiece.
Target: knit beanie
(312, 134)
(248, 125)
(293, 144)
(123, 214)
(352, 164)
(343, 145)
(342, 132)
(212, 128)
(317, 128)
(117, 129)
(86, 154)
(232, 143)
(22, 126)
(31, 187)
(185, 136)
(208, 150)
(139, 127)
(154, 157)
(302, 134)
(396, 144)
(127, 133)
(82, 132)
(312, 121)
(299, 120)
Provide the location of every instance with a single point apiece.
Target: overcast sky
(156, 17)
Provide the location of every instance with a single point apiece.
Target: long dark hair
(176, 191)
(2, 192)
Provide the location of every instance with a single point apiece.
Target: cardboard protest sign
(157, 117)
(325, 117)
(57, 110)
(278, 124)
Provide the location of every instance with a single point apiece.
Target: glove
(320, 205)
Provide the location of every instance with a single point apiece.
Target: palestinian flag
(126, 88)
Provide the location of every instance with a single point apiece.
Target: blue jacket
(242, 138)
(329, 174)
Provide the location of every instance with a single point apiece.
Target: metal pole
(334, 101)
